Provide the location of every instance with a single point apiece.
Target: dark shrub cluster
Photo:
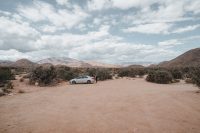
(8, 86)
(151, 76)
(131, 72)
(159, 76)
(66, 73)
(176, 73)
(43, 76)
(5, 75)
(101, 73)
(196, 76)
(140, 72)
(126, 72)
(91, 71)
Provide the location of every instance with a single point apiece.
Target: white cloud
(62, 2)
(193, 6)
(159, 28)
(41, 11)
(12, 54)
(170, 43)
(97, 21)
(105, 4)
(153, 28)
(98, 4)
(8, 26)
(17, 35)
(131, 3)
(49, 28)
(186, 29)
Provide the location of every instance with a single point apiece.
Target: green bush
(126, 72)
(176, 73)
(26, 76)
(159, 76)
(188, 81)
(43, 75)
(175, 80)
(5, 74)
(21, 79)
(103, 74)
(8, 86)
(66, 73)
(123, 73)
(196, 76)
(151, 76)
(140, 72)
(91, 71)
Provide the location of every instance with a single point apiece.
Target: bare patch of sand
(114, 106)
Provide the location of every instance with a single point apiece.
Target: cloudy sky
(111, 31)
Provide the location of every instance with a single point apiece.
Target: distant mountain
(74, 63)
(99, 64)
(24, 63)
(64, 61)
(5, 63)
(189, 58)
(142, 63)
(136, 66)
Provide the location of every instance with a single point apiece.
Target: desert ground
(113, 106)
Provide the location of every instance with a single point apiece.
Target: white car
(82, 80)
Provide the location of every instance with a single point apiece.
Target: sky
(109, 31)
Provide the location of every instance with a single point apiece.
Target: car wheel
(73, 82)
(89, 82)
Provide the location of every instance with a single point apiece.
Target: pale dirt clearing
(114, 106)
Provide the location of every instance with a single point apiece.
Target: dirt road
(115, 106)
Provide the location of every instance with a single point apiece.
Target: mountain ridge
(189, 58)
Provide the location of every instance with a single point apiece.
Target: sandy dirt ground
(114, 106)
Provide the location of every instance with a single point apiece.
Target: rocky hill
(24, 63)
(64, 61)
(189, 58)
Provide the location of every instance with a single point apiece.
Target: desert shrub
(43, 75)
(175, 80)
(26, 76)
(69, 75)
(66, 73)
(1, 92)
(21, 91)
(140, 72)
(188, 72)
(188, 81)
(196, 76)
(103, 74)
(123, 73)
(163, 77)
(21, 79)
(5, 74)
(176, 73)
(7, 87)
(151, 76)
(159, 76)
(91, 71)
(126, 72)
